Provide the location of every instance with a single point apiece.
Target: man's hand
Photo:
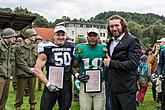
(83, 78)
(31, 71)
(107, 60)
(51, 87)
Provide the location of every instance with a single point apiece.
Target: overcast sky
(53, 9)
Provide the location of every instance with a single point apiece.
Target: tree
(135, 29)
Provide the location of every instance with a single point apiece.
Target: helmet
(38, 38)
(29, 33)
(8, 32)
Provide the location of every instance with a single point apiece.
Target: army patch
(79, 50)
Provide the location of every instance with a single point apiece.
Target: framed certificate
(94, 82)
(56, 76)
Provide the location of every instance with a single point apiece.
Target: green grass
(149, 104)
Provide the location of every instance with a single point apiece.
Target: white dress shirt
(114, 43)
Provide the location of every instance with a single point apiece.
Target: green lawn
(148, 104)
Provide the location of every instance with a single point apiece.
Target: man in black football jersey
(57, 56)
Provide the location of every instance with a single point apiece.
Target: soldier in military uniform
(8, 35)
(57, 56)
(25, 57)
(14, 78)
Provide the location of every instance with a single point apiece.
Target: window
(71, 25)
(66, 25)
(89, 26)
(77, 25)
(84, 26)
(103, 34)
(80, 36)
(72, 32)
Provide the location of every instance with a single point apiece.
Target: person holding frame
(89, 58)
(57, 56)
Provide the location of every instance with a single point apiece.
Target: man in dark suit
(122, 60)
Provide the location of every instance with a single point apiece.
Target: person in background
(6, 54)
(14, 79)
(153, 65)
(161, 67)
(143, 74)
(123, 57)
(25, 57)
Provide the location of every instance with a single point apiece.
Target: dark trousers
(163, 96)
(154, 91)
(64, 97)
(123, 101)
(107, 95)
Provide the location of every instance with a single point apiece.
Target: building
(45, 33)
(79, 29)
(15, 21)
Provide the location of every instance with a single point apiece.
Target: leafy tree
(6, 10)
(135, 29)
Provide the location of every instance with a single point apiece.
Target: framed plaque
(56, 76)
(94, 82)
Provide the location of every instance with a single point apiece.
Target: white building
(78, 29)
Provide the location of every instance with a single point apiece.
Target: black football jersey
(58, 56)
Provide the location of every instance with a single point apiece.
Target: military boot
(32, 106)
(18, 108)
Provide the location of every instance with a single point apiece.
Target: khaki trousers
(21, 85)
(87, 99)
(4, 91)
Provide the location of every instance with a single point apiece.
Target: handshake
(51, 87)
(83, 78)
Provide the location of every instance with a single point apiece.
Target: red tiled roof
(45, 33)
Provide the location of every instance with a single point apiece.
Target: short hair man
(57, 56)
(89, 57)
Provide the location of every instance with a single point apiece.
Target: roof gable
(45, 33)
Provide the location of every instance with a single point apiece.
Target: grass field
(149, 104)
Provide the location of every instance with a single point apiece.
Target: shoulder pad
(44, 44)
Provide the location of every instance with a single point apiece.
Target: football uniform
(90, 58)
(58, 56)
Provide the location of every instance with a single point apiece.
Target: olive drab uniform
(5, 72)
(25, 57)
(14, 78)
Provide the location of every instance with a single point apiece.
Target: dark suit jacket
(124, 63)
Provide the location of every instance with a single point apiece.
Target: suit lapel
(108, 46)
(120, 44)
